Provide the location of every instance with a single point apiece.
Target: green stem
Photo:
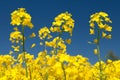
(99, 59)
(63, 71)
(99, 56)
(24, 51)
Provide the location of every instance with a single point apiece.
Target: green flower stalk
(24, 52)
(62, 23)
(103, 29)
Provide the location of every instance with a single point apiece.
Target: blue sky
(43, 13)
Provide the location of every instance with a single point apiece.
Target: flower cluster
(101, 18)
(15, 37)
(63, 22)
(58, 44)
(56, 67)
(21, 17)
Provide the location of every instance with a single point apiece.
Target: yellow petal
(108, 36)
(91, 31)
(108, 28)
(103, 34)
(92, 25)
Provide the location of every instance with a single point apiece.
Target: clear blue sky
(43, 13)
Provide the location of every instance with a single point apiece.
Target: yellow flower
(16, 48)
(108, 28)
(32, 35)
(15, 28)
(109, 61)
(21, 17)
(101, 25)
(10, 52)
(108, 20)
(58, 23)
(103, 14)
(57, 43)
(68, 41)
(52, 29)
(92, 25)
(94, 17)
(92, 31)
(41, 43)
(16, 37)
(33, 45)
(63, 22)
(50, 44)
(95, 51)
(100, 18)
(95, 41)
(103, 34)
(108, 36)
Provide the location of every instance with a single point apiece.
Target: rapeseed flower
(63, 22)
(16, 48)
(44, 33)
(33, 35)
(16, 37)
(21, 17)
(101, 18)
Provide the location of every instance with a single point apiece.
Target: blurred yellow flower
(33, 35)
(103, 34)
(41, 43)
(33, 45)
(10, 52)
(108, 28)
(95, 51)
(15, 28)
(101, 25)
(109, 61)
(95, 41)
(92, 25)
(109, 36)
(68, 41)
(92, 31)
(16, 48)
